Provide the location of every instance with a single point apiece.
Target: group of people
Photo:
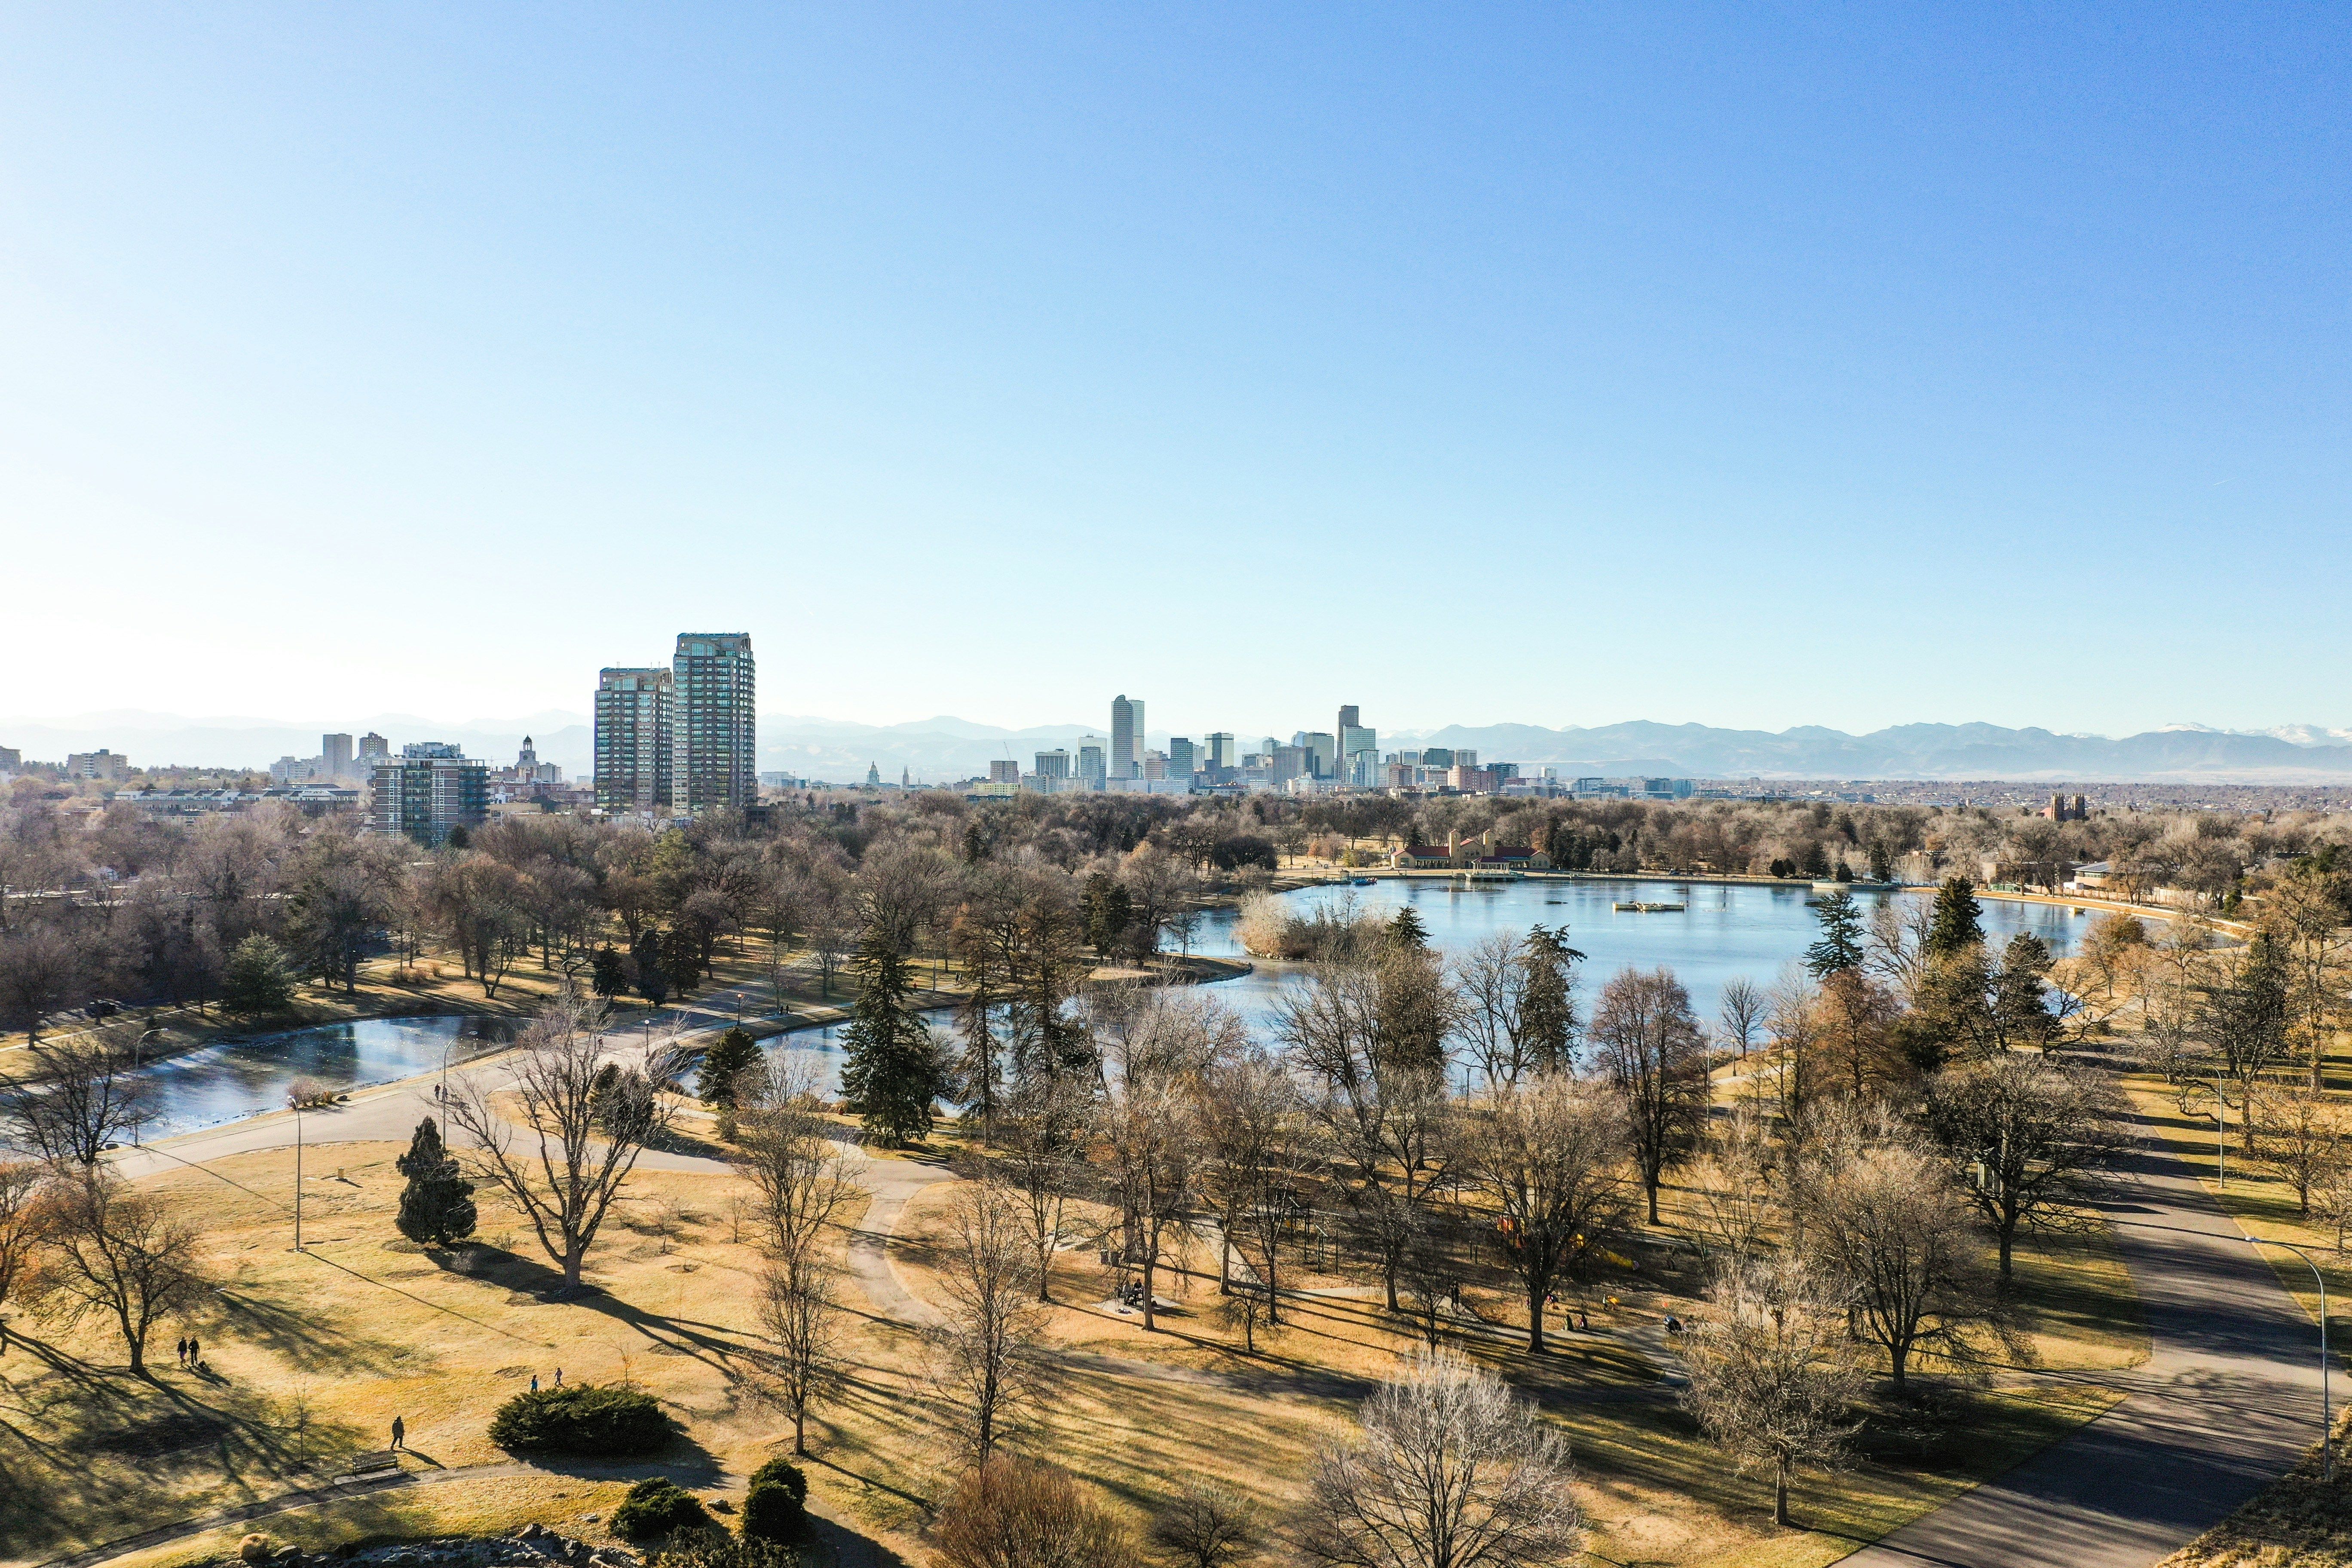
(191, 1354)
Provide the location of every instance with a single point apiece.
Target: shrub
(1014, 1511)
(658, 1506)
(254, 1548)
(712, 1549)
(582, 1418)
(776, 1507)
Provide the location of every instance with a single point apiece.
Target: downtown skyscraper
(1126, 737)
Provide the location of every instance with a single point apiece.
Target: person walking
(399, 1432)
(534, 1383)
(558, 1377)
(181, 1351)
(196, 1353)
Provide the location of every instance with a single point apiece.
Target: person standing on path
(399, 1432)
(534, 1383)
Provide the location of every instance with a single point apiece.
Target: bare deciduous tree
(1893, 1234)
(1651, 1048)
(27, 1213)
(40, 970)
(799, 1310)
(1449, 1471)
(1771, 1372)
(1148, 1124)
(984, 1356)
(786, 1150)
(783, 1149)
(1041, 1133)
(1385, 1126)
(117, 1254)
(1253, 1125)
(1742, 1011)
(86, 1097)
(586, 1114)
(2038, 1136)
(1205, 1526)
(1736, 1186)
(1550, 1154)
(2302, 1137)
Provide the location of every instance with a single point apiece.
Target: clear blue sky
(1749, 364)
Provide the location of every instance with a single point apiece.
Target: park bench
(377, 1462)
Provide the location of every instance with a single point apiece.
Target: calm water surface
(245, 1077)
(1726, 931)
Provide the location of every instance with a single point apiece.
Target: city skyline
(1783, 370)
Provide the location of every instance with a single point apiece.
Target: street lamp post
(2327, 1409)
(298, 1178)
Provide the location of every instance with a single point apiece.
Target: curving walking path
(2226, 1402)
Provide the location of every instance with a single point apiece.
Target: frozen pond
(242, 1078)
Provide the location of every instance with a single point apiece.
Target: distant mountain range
(943, 749)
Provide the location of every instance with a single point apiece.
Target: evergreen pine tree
(1110, 911)
(721, 1063)
(1840, 947)
(653, 979)
(258, 979)
(436, 1206)
(1406, 930)
(1546, 1009)
(612, 975)
(892, 1072)
(1956, 926)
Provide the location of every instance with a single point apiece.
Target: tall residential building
(1287, 764)
(714, 730)
(429, 789)
(633, 748)
(335, 753)
(99, 764)
(1053, 764)
(1004, 771)
(1181, 764)
(1222, 753)
(372, 747)
(1126, 737)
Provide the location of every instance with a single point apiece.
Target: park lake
(1724, 931)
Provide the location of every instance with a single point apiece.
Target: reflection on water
(244, 1077)
(1726, 931)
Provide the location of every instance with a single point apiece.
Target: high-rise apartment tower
(714, 731)
(633, 748)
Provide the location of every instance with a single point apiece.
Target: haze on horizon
(1748, 369)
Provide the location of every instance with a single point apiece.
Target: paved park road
(2228, 1401)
